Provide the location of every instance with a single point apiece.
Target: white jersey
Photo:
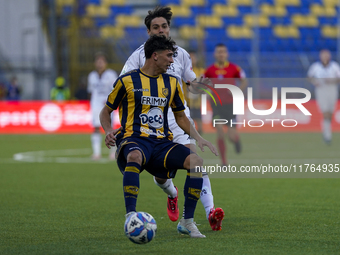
(100, 88)
(319, 71)
(326, 93)
(181, 68)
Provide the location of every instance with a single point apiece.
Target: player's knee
(192, 161)
(158, 180)
(327, 115)
(135, 156)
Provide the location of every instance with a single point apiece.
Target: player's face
(159, 26)
(164, 59)
(325, 57)
(221, 54)
(100, 64)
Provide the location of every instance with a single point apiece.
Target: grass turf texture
(74, 208)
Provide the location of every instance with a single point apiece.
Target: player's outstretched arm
(105, 121)
(196, 86)
(184, 123)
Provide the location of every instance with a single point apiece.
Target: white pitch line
(45, 157)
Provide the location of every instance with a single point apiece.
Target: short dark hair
(100, 54)
(220, 45)
(158, 43)
(160, 11)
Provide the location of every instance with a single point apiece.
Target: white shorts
(180, 136)
(326, 98)
(96, 120)
(97, 103)
(95, 111)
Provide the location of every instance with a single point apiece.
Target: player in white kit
(158, 23)
(99, 85)
(325, 76)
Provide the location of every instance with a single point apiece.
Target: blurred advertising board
(35, 117)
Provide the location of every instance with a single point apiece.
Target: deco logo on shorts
(154, 118)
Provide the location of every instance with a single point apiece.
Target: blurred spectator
(60, 92)
(13, 90)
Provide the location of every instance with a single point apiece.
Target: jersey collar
(148, 75)
(226, 64)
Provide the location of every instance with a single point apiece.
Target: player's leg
(172, 204)
(222, 148)
(234, 137)
(327, 127)
(221, 113)
(232, 129)
(326, 100)
(214, 216)
(131, 179)
(132, 155)
(168, 157)
(167, 184)
(192, 191)
(96, 141)
(96, 137)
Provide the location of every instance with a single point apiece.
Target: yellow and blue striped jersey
(143, 103)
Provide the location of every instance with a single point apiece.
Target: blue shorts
(161, 157)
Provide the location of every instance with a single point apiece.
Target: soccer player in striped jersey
(157, 22)
(143, 97)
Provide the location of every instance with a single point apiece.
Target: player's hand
(202, 142)
(195, 85)
(110, 139)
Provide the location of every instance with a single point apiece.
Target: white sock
(113, 150)
(207, 198)
(96, 140)
(168, 187)
(327, 129)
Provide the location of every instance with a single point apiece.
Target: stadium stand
(284, 27)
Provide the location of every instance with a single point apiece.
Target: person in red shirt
(229, 73)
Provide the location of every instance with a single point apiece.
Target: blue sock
(192, 191)
(131, 185)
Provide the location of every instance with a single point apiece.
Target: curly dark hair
(158, 43)
(160, 11)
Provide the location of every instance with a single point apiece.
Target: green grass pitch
(57, 201)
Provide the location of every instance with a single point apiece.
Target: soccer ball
(140, 227)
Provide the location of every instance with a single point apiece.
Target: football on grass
(140, 227)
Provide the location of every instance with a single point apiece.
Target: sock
(168, 187)
(207, 198)
(222, 150)
(131, 185)
(113, 151)
(192, 191)
(327, 129)
(96, 140)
